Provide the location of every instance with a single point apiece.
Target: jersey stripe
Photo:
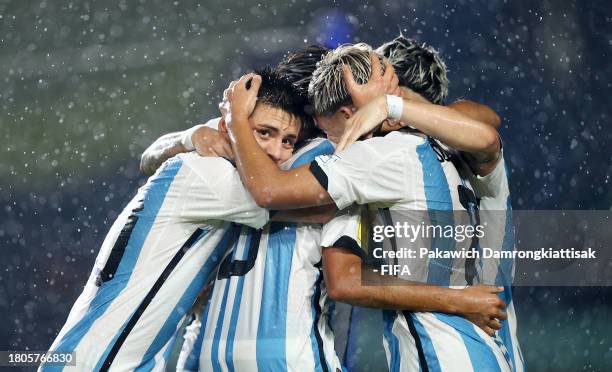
(109, 356)
(273, 317)
(424, 345)
(324, 148)
(217, 336)
(481, 355)
(252, 242)
(395, 360)
(315, 339)
(440, 206)
(192, 291)
(153, 200)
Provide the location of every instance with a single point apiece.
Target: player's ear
(346, 112)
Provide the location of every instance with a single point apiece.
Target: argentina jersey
(268, 310)
(397, 175)
(153, 263)
(496, 210)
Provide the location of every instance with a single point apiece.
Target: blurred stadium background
(86, 86)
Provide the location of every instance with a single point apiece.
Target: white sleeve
(213, 190)
(213, 123)
(494, 183)
(364, 173)
(345, 230)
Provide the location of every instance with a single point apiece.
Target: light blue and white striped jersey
(496, 209)
(153, 263)
(404, 172)
(269, 309)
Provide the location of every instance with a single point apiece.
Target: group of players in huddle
(252, 226)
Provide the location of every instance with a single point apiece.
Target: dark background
(85, 86)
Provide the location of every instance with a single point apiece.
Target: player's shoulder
(207, 166)
(388, 145)
(309, 151)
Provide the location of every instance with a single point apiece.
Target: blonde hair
(327, 91)
(418, 67)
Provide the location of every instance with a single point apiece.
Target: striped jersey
(405, 172)
(153, 263)
(269, 310)
(496, 210)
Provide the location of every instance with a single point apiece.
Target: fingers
(376, 69)
(342, 143)
(349, 80)
(397, 92)
(394, 85)
(494, 324)
(347, 138)
(389, 71)
(255, 83)
(501, 315)
(488, 330)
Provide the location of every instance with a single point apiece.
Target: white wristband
(186, 139)
(395, 107)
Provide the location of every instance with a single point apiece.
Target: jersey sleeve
(364, 173)
(351, 229)
(345, 230)
(494, 183)
(213, 190)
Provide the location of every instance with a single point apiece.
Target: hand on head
(239, 98)
(377, 85)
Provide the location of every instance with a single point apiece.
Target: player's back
(408, 178)
(493, 192)
(154, 261)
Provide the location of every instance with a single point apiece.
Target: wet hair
(277, 91)
(327, 91)
(299, 65)
(418, 67)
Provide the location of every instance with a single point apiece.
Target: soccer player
(168, 240)
(346, 179)
(221, 339)
(486, 172)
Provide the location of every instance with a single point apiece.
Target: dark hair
(299, 65)
(418, 67)
(279, 92)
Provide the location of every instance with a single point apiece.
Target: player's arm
(161, 150)
(320, 214)
(474, 110)
(464, 125)
(342, 271)
(270, 186)
(477, 111)
(205, 139)
(448, 125)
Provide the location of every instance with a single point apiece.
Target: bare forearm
(477, 111)
(161, 150)
(320, 214)
(393, 293)
(452, 127)
(270, 186)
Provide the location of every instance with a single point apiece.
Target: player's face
(334, 126)
(276, 131)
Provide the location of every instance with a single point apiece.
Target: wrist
(235, 126)
(186, 138)
(455, 303)
(394, 106)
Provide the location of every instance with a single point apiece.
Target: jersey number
(230, 267)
